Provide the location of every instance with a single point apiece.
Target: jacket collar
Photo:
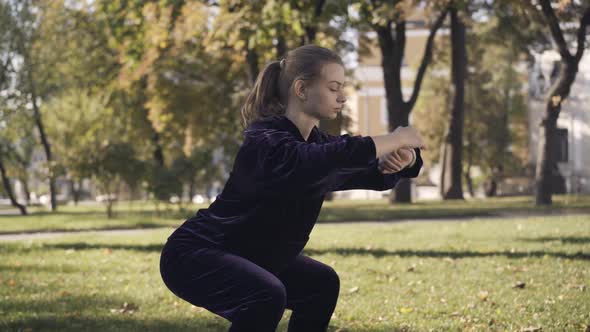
(284, 123)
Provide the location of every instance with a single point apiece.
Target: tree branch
(555, 29)
(584, 23)
(426, 57)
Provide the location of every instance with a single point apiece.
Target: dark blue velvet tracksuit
(241, 257)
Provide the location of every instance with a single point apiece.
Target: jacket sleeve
(277, 163)
(371, 177)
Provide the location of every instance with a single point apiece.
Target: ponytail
(264, 100)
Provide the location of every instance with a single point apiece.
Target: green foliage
(495, 119)
(162, 182)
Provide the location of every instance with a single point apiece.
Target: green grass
(441, 276)
(144, 215)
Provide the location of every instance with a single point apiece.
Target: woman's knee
(332, 280)
(276, 294)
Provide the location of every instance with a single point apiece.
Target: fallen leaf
(519, 284)
(483, 295)
(353, 290)
(412, 268)
(126, 308)
(531, 329)
(107, 251)
(406, 310)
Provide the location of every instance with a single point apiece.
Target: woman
(241, 258)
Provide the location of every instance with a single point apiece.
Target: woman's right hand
(407, 137)
(401, 137)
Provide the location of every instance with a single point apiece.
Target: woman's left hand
(395, 161)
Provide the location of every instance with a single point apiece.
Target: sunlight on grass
(499, 275)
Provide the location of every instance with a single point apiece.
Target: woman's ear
(299, 89)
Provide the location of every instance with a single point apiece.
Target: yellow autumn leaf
(406, 310)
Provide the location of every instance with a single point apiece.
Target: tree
(452, 154)
(26, 19)
(559, 91)
(496, 121)
(116, 163)
(388, 20)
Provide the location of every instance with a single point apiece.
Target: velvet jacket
(275, 190)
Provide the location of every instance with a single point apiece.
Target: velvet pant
(250, 297)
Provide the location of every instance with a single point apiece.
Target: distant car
(45, 199)
(103, 198)
(199, 199)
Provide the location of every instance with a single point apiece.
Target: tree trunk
(392, 48)
(468, 178)
(491, 188)
(402, 193)
(452, 187)
(73, 191)
(9, 192)
(25, 183)
(42, 135)
(281, 45)
(546, 169)
(252, 61)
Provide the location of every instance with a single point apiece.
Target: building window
(561, 145)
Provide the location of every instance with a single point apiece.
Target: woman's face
(325, 97)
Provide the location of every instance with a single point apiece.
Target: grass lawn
(498, 275)
(144, 215)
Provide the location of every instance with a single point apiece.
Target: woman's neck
(302, 120)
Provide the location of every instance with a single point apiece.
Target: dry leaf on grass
(125, 308)
(519, 284)
(353, 290)
(531, 329)
(483, 295)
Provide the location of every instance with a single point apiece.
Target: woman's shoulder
(270, 129)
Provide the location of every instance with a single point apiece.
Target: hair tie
(282, 63)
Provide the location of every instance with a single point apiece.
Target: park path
(49, 234)
(499, 217)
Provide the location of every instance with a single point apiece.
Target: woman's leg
(312, 292)
(249, 296)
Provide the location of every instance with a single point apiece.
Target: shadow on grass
(72, 313)
(338, 251)
(443, 254)
(563, 239)
(90, 246)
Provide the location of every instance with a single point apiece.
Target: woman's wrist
(413, 159)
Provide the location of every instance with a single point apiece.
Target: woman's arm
(371, 178)
(273, 162)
